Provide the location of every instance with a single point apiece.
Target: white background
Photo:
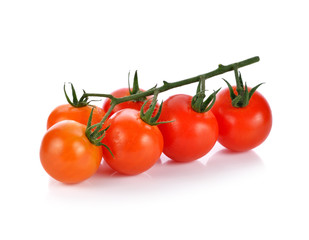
(260, 194)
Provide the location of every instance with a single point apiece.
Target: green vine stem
(169, 85)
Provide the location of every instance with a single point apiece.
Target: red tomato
(68, 112)
(191, 135)
(242, 128)
(66, 153)
(135, 144)
(123, 92)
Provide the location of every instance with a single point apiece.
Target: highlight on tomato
(194, 129)
(244, 116)
(134, 104)
(134, 140)
(77, 110)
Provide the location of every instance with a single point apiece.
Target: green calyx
(135, 89)
(198, 104)
(95, 133)
(82, 102)
(147, 116)
(243, 94)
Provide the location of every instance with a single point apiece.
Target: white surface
(261, 194)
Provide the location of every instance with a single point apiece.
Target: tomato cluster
(136, 132)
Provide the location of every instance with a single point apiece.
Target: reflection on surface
(221, 162)
(165, 176)
(106, 171)
(228, 162)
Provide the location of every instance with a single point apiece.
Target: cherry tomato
(136, 145)
(191, 135)
(66, 153)
(80, 114)
(242, 128)
(123, 92)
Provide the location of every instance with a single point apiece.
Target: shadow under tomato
(106, 171)
(225, 162)
(222, 166)
(169, 169)
(222, 162)
(105, 184)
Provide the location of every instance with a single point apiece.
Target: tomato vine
(143, 138)
(170, 85)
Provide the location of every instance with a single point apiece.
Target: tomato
(66, 153)
(242, 128)
(136, 145)
(191, 135)
(78, 114)
(123, 92)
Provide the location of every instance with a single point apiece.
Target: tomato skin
(123, 92)
(66, 153)
(191, 135)
(81, 114)
(135, 144)
(242, 129)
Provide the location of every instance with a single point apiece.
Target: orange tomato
(80, 114)
(66, 153)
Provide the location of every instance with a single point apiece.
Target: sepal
(82, 102)
(147, 116)
(135, 89)
(95, 133)
(198, 104)
(243, 94)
